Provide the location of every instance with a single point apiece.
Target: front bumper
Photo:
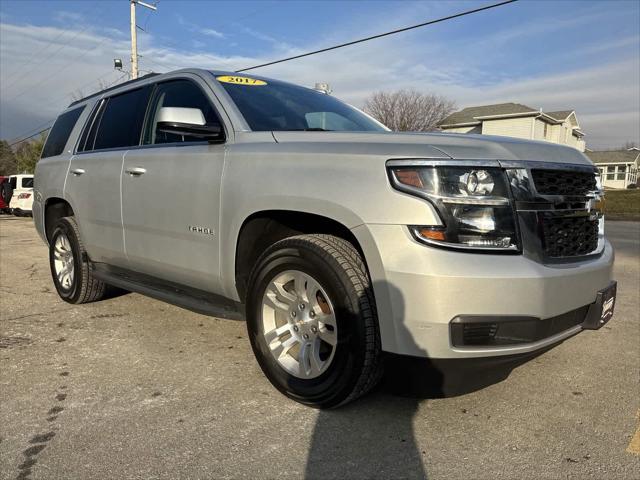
(419, 291)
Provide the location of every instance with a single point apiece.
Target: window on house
(622, 172)
(611, 169)
(546, 130)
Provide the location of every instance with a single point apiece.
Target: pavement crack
(38, 314)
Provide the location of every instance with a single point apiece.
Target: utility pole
(134, 36)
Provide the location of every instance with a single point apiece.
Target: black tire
(7, 192)
(84, 288)
(356, 366)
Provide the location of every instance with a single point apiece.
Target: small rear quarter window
(59, 134)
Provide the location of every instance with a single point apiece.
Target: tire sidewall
(337, 382)
(72, 294)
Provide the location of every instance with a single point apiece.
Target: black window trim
(99, 108)
(86, 130)
(97, 113)
(155, 86)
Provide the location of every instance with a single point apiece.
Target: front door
(171, 195)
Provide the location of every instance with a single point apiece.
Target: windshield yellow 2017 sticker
(241, 80)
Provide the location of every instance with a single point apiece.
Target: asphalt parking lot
(134, 388)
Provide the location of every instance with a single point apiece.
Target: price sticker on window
(248, 81)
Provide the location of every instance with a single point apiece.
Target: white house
(520, 121)
(618, 168)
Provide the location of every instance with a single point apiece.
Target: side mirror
(188, 122)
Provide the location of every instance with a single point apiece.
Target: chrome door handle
(136, 171)
(77, 171)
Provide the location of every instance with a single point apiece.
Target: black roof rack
(128, 82)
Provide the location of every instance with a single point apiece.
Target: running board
(192, 299)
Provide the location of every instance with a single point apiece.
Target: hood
(438, 145)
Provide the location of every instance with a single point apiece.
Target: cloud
(64, 16)
(210, 32)
(263, 37)
(605, 95)
(195, 28)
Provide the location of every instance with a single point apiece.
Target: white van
(22, 199)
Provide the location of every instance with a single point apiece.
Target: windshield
(271, 105)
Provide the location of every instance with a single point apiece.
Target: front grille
(569, 236)
(558, 182)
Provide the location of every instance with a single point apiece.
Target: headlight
(474, 204)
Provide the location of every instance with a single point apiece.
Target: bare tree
(102, 85)
(409, 110)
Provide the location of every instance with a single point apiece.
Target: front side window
(176, 93)
(60, 132)
(270, 105)
(120, 124)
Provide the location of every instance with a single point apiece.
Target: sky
(554, 55)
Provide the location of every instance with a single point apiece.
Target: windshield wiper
(309, 130)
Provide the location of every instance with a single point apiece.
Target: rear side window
(59, 134)
(121, 120)
(27, 182)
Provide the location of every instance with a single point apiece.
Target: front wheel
(312, 320)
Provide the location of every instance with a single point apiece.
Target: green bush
(622, 204)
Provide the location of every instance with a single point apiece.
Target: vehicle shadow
(373, 437)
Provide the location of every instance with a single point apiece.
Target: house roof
(613, 156)
(469, 114)
(473, 115)
(560, 115)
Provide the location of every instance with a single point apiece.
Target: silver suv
(337, 240)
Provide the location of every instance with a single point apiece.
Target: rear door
(171, 194)
(93, 181)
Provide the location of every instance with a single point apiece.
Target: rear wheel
(312, 321)
(70, 268)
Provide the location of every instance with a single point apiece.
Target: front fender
(229, 236)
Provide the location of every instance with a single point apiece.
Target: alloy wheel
(299, 324)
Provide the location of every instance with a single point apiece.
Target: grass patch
(622, 204)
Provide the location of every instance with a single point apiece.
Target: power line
(335, 47)
(175, 45)
(48, 123)
(373, 37)
(49, 56)
(31, 136)
(59, 70)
